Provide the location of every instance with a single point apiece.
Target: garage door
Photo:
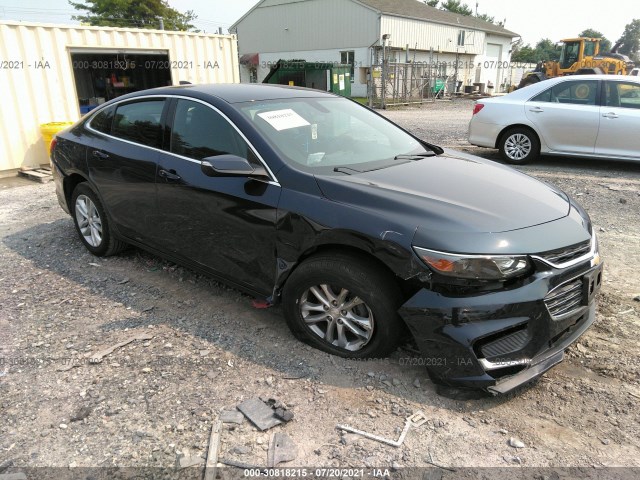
(490, 68)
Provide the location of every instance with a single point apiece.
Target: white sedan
(596, 116)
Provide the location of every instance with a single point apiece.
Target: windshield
(324, 135)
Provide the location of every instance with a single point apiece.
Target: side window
(139, 122)
(574, 92)
(623, 94)
(589, 49)
(543, 97)
(199, 132)
(102, 120)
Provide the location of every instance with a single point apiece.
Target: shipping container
(57, 73)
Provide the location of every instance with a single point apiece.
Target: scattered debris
(186, 459)
(415, 420)
(98, 356)
(231, 416)
(240, 450)
(259, 413)
(281, 449)
(283, 414)
(214, 449)
(260, 304)
(431, 462)
(605, 441)
(637, 298)
(416, 383)
(81, 413)
(123, 281)
(626, 311)
(515, 443)
(42, 175)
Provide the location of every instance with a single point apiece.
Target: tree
(432, 3)
(631, 40)
(456, 6)
(486, 18)
(544, 50)
(547, 50)
(605, 44)
(133, 14)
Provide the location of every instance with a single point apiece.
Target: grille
(564, 300)
(563, 255)
(504, 345)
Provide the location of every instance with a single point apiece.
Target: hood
(452, 192)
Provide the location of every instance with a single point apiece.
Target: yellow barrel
(48, 131)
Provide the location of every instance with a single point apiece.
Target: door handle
(99, 154)
(169, 175)
(610, 115)
(536, 110)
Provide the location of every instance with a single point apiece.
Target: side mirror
(230, 166)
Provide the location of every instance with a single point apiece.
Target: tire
(344, 279)
(92, 223)
(519, 146)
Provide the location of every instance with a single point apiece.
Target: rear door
(122, 158)
(567, 115)
(619, 133)
(227, 224)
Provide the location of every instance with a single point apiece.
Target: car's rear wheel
(92, 223)
(343, 305)
(519, 146)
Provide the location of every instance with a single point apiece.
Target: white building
(56, 73)
(352, 31)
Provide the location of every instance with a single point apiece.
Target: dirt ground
(202, 348)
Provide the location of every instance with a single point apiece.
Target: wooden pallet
(42, 175)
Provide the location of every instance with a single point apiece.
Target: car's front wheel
(343, 305)
(519, 146)
(92, 223)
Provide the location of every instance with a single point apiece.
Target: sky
(533, 20)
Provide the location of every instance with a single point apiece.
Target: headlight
(479, 267)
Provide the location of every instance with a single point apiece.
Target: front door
(227, 224)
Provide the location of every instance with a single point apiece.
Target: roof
(232, 92)
(421, 11)
(17, 23)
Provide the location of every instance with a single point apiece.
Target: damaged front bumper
(499, 340)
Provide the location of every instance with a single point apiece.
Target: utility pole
(161, 23)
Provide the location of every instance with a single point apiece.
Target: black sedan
(365, 233)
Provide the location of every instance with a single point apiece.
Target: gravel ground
(198, 347)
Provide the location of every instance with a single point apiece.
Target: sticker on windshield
(283, 119)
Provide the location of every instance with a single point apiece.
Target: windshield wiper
(344, 170)
(414, 156)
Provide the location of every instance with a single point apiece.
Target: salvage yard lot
(206, 349)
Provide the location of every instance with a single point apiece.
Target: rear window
(103, 120)
(139, 122)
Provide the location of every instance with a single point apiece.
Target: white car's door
(619, 133)
(567, 116)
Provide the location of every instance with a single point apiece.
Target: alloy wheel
(337, 316)
(89, 221)
(517, 146)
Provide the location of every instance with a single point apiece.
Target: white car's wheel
(519, 146)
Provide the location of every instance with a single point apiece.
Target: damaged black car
(363, 232)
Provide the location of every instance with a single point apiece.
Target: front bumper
(499, 340)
